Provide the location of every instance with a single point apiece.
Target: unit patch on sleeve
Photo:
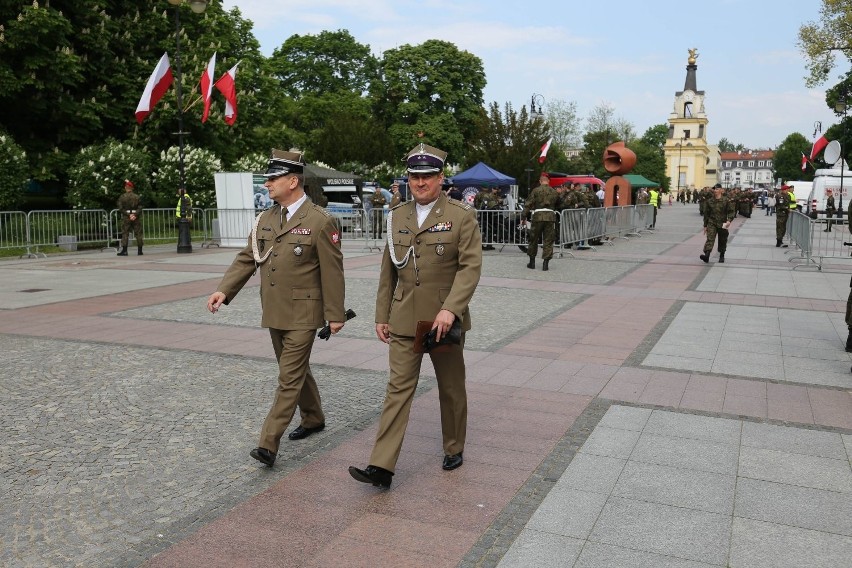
(335, 237)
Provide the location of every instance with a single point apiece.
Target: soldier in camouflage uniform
(703, 195)
(719, 211)
(782, 212)
(483, 202)
(540, 208)
(130, 207)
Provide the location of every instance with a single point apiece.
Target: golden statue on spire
(693, 55)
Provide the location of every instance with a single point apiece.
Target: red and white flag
(544, 150)
(159, 82)
(206, 86)
(804, 161)
(227, 86)
(819, 145)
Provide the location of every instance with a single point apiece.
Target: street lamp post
(184, 234)
(842, 106)
(679, 156)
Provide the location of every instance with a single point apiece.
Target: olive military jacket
(129, 204)
(782, 204)
(443, 268)
(301, 280)
(718, 212)
(542, 197)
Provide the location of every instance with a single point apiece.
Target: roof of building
(749, 155)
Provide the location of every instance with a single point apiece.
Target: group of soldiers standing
(542, 209)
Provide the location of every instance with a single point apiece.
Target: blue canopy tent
(482, 174)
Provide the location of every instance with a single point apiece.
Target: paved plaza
(630, 407)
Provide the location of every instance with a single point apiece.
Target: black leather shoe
(301, 432)
(377, 476)
(263, 455)
(452, 462)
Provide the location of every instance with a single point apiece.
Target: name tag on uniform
(405, 231)
(301, 231)
(266, 229)
(440, 227)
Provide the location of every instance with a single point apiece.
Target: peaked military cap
(282, 163)
(425, 159)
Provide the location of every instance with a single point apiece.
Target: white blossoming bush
(13, 173)
(96, 178)
(255, 163)
(199, 167)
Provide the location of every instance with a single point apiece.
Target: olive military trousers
(545, 230)
(712, 231)
(780, 224)
(296, 385)
(404, 374)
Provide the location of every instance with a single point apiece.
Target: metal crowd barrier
(13, 230)
(818, 239)
(596, 226)
(619, 221)
(501, 228)
(643, 217)
(158, 225)
(66, 229)
(227, 227)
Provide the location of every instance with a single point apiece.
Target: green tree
(13, 173)
(564, 123)
(727, 146)
(650, 155)
(822, 41)
(430, 93)
(788, 158)
(509, 142)
(199, 165)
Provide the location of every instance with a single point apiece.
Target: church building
(691, 163)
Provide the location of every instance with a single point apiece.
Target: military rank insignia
(440, 227)
(335, 237)
(301, 231)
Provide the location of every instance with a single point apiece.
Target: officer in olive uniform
(295, 246)
(540, 208)
(830, 210)
(396, 196)
(782, 212)
(430, 270)
(378, 201)
(719, 211)
(130, 207)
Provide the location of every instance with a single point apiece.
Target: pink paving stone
(831, 407)
(661, 396)
(799, 413)
(705, 383)
(702, 400)
(787, 394)
(745, 406)
(546, 381)
(621, 390)
(740, 387)
(590, 386)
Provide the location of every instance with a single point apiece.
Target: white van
(829, 179)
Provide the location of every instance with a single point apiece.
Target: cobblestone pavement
(119, 455)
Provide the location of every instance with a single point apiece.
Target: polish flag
(804, 161)
(227, 86)
(544, 150)
(818, 146)
(159, 82)
(207, 86)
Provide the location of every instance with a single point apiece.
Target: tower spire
(691, 83)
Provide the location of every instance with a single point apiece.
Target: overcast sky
(632, 55)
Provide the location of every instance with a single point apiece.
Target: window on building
(728, 177)
(686, 133)
(701, 131)
(751, 163)
(760, 164)
(687, 110)
(727, 164)
(739, 164)
(768, 163)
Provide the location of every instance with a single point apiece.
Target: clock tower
(691, 163)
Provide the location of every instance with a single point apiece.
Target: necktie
(283, 216)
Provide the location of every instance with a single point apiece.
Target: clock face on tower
(688, 96)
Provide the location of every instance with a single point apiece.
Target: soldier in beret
(295, 246)
(130, 207)
(430, 269)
